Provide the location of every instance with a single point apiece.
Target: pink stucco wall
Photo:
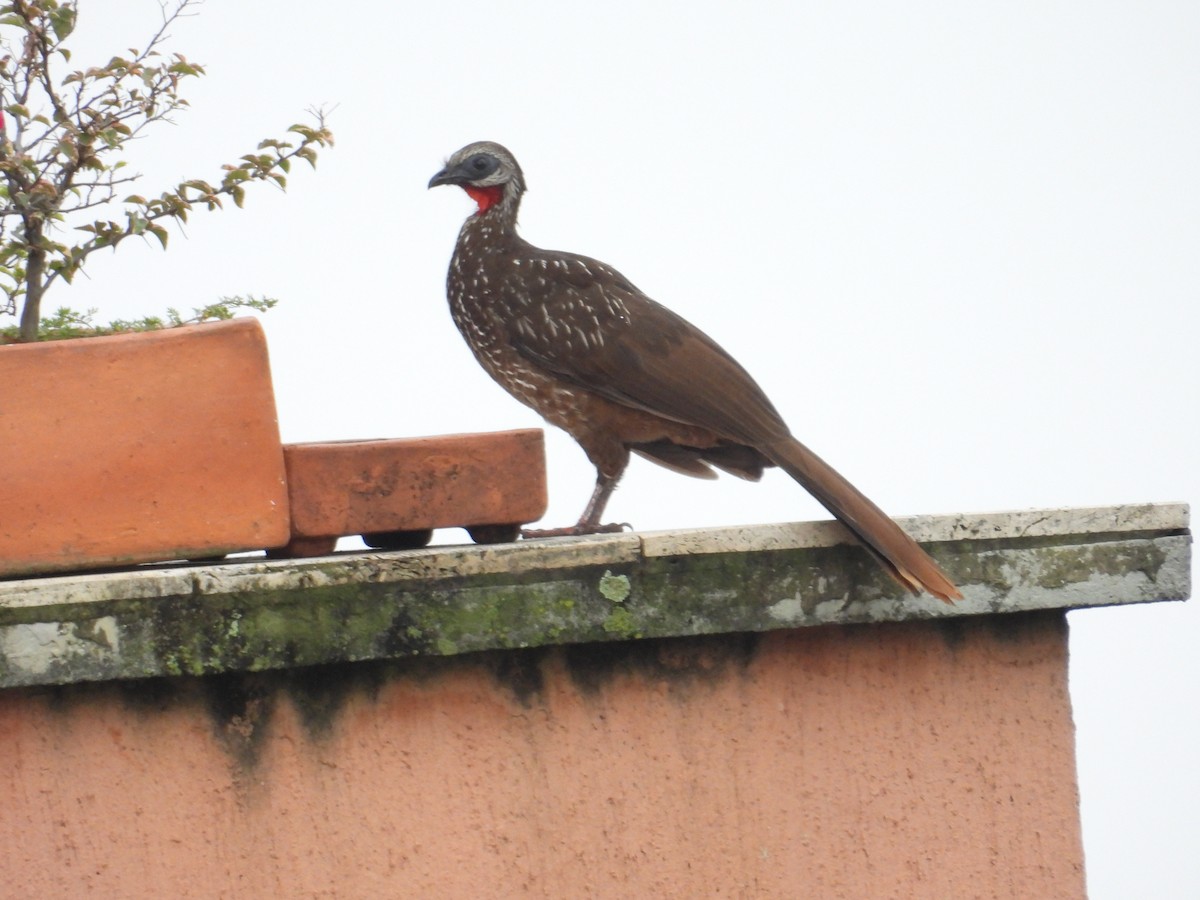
(911, 760)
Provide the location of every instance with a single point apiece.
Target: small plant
(65, 322)
(62, 139)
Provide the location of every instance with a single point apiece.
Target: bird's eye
(482, 164)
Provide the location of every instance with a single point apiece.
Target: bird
(574, 339)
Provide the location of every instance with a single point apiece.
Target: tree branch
(64, 168)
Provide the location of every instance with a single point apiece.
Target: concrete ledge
(256, 614)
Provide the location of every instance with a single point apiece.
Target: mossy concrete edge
(259, 615)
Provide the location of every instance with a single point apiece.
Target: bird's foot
(579, 528)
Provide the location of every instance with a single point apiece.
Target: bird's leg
(589, 522)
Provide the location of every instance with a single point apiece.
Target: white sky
(959, 247)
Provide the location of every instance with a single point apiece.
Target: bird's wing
(585, 322)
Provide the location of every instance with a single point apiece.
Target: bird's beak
(447, 176)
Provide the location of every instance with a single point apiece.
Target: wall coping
(255, 614)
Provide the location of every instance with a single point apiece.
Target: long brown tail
(887, 541)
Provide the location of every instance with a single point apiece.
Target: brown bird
(575, 340)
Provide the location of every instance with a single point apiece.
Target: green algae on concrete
(614, 587)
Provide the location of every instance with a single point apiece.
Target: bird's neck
(498, 204)
(490, 230)
(486, 197)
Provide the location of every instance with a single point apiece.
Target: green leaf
(159, 232)
(182, 67)
(62, 20)
(67, 148)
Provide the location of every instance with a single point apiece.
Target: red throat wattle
(486, 197)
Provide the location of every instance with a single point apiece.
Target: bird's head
(486, 171)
